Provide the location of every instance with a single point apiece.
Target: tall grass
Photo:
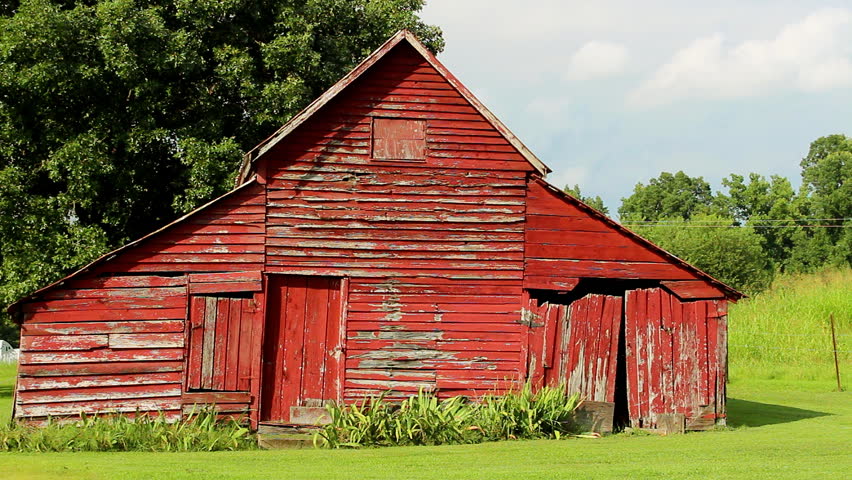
(784, 332)
(197, 432)
(423, 419)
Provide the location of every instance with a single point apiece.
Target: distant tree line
(757, 226)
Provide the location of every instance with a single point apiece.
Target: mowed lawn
(782, 430)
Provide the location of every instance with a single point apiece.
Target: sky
(609, 93)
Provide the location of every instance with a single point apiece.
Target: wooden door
(222, 339)
(302, 353)
(577, 345)
(675, 352)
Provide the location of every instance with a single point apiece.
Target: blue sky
(609, 93)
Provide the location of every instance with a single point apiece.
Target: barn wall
(114, 338)
(563, 240)
(434, 247)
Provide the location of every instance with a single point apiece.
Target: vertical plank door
(675, 352)
(585, 337)
(302, 346)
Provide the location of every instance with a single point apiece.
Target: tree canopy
(798, 231)
(667, 196)
(118, 115)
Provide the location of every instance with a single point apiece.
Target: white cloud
(812, 54)
(596, 60)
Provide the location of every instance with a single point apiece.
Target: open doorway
(578, 338)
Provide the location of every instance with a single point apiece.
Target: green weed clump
(197, 432)
(785, 332)
(423, 419)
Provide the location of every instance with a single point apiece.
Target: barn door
(577, 345)
(302, 353)
(675, 354)
(221, 341)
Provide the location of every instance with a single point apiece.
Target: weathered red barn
(391, 237)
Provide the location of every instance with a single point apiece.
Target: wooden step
(284, 436)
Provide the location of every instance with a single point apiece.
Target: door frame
(344, 314)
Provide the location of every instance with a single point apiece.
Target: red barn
(393, 236)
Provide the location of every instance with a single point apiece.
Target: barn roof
(108, 256)
(357, 72)
(730, 292)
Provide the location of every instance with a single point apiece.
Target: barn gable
(420, 83)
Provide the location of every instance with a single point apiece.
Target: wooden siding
(434, 247)
(114, 338)
(564, 240)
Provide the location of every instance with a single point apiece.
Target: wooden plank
(294, 331)
(99, 406)
(631, 355)
(95, 328)
(62, 342)
(162, 354)
(106, 315)
(146, 340)
(535, 282)
(220, 342)
(693, 289)
(245, 357)
(197, 316)
(27, 397)
(117, 368)
(84, 381)
(234, 343)
(216, 397)
(211, 315)
(606, 269)
(334, 342)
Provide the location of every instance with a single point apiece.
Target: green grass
(7, 386)
(784, 332)
(783, 430)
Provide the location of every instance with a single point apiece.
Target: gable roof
(357, 72)
(729, 291)
(110, 255)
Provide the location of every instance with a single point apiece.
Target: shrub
(200, 431)
(423, 419)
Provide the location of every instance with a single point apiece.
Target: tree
(668, 196)
(118, 115)
(595, 202)
(732, 254)
(827, 184)
(771, 207)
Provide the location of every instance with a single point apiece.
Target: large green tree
(118, 115)
(667, 196)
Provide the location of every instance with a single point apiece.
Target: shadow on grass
(756, 414)
(6, 391)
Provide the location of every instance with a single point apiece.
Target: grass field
(786, 423)
(784, 333)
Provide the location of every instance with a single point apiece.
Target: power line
(802, 219)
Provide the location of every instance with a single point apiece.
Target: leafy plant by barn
(200, 431)
(423, 419)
